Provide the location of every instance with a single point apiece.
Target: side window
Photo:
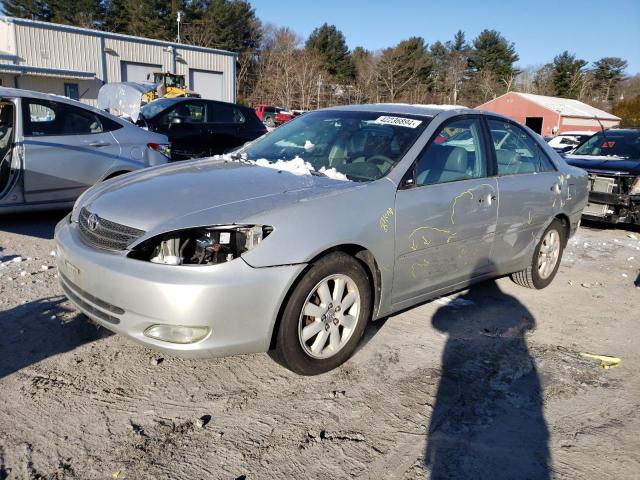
(456, 153)
(219, 113)
(52, 118)
(516, 151)
(188, 112)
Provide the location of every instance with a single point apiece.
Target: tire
(341, 326)
(535, 275)
(270, 122)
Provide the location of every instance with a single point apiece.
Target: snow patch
(296, 166)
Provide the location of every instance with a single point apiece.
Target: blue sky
(540, 28)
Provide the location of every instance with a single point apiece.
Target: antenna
(179, 19)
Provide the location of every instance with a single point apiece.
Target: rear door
(531, 189)
(446, 213)
(224, 127)
(66, 149)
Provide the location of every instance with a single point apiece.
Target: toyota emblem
(92, 221)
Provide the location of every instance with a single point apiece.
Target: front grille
(74, 296)
(105, 234)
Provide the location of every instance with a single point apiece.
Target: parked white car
(52, 149)
(566, 141)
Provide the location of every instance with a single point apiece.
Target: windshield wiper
(317, 173)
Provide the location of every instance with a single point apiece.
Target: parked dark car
(199, 128)
(612, 159)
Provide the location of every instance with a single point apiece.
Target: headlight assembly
(201, 246)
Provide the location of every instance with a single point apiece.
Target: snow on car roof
(402, 108)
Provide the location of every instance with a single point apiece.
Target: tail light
(163, 148)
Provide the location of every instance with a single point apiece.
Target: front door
(185, 125)
(531, 190)
(66, 150)
(445, 221)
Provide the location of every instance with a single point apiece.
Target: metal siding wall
(127, 51)
(43, 47)
(212, 62)
(88, 89)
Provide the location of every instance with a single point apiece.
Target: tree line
(276, 65)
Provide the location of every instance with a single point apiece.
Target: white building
(76, 62)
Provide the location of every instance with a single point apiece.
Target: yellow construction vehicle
(168, 85)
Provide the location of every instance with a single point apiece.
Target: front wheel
(325, 317)
(546, 258)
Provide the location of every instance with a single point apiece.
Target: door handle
(491, 197)
(99, 144)
(555, 188)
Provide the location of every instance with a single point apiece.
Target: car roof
(404, 108)
(20, 93)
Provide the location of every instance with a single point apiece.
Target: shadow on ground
(32, 224)
(36, 330)
(488, 420)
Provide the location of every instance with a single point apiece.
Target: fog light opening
(177, 333)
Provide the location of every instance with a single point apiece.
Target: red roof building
(550, 115)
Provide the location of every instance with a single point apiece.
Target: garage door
(208, 84)
(137, 72)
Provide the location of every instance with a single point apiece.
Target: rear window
(269, 109)
(612, 143)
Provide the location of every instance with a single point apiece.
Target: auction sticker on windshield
(398, 121)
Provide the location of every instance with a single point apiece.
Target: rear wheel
(325, 317)
(270, 122)
(546, 258)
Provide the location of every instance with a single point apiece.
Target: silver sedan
(295, 242)
(53, 148)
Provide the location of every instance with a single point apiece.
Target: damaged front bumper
(236, 304)
(610, 200)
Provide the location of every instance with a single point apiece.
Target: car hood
(605, 164)
(201, 192)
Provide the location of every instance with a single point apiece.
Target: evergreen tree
(142, 18)
(31, 9)
(567, 74)
(492, 53)
(81, 13)
(608, 72)
(330, 43)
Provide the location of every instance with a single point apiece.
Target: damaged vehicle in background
(53, 148)
(296, 241)
(612, 160)
(200, 128)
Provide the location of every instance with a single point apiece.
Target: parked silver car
(53, 148)
(298, 240)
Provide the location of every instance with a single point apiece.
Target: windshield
(151, 109)
(363, 146)
(612, 143)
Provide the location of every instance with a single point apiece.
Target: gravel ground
(488, 385)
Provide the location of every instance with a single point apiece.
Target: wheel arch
(360, 253)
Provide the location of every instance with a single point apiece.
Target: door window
(456, 153)
(42, 117)
(516, 151)
(188, 112)
(219, 113)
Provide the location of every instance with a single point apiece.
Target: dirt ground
(489, 385)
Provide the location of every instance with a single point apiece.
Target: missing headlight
(201, 246)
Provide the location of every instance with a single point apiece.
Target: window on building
(71, 90)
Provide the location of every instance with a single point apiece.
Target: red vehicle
(272, 116)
